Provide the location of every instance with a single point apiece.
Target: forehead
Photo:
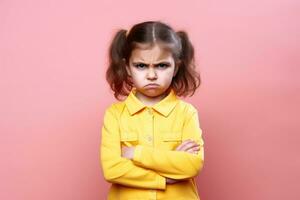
(147, 52)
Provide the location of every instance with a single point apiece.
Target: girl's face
(151, 66)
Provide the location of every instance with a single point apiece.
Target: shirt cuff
(137, 154)
(161, 182)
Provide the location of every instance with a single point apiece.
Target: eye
(162, 65)
(140, 65)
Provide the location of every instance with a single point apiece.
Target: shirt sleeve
(117, 169)
(171, 163)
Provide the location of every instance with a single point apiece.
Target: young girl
(151, 143)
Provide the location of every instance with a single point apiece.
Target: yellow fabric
(155, 132)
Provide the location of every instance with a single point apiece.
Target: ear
(126, 67)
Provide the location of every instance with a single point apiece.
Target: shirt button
(149, 138)
(150, 111)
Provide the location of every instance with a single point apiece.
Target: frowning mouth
(152, 85)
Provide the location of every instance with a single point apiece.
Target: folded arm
(117, 169)
(174, 164)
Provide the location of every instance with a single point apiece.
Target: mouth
(152, 85)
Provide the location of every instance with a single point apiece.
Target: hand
(171, 181)
(127, 152)
(188, 146)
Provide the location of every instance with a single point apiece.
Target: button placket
(149, 127)
(149, 139)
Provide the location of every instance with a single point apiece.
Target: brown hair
(186, 80)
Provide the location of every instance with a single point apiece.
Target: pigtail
(116, 73)
(188, 79)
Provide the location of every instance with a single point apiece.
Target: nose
(151, 73)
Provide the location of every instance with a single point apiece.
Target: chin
(153, 92)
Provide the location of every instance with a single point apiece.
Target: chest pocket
(172, 139)
(129, 138)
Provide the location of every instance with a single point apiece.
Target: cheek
(167, 76)
(137, 78)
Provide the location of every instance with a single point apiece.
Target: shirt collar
(164, 106)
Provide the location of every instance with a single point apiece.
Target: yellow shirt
(155, 132)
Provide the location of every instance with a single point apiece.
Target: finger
(179, 147)
(190, 146)
(193, 151)
(124, 149)
(184, 144)
(196, 148)
(190, 151)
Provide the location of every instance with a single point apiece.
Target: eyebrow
(161, 61)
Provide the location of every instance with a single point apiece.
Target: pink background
(53, 56)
